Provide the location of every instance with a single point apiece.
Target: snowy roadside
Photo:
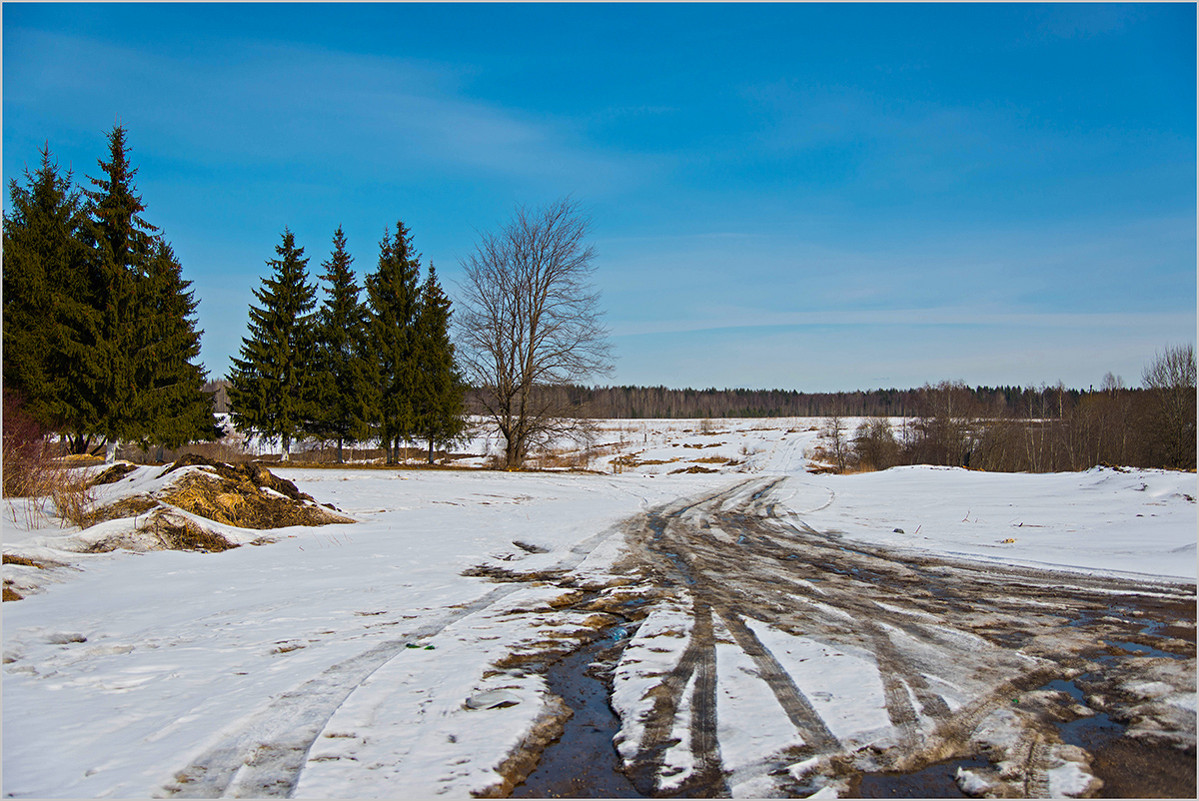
(1101, 521)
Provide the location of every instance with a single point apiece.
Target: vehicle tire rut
(936, 627)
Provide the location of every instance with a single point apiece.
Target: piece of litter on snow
(495, 699)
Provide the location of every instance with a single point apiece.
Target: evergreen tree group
(353, 369)
(100, 337)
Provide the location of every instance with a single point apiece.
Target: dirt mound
(244, 495)
(114, 474)
(251, 472)
(165, 530)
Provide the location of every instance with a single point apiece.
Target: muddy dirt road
(779, 660)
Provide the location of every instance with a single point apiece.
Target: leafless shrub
(35, 474)
(875, 445)
(74, 497)
(836, 446)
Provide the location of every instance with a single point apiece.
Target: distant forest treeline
(637, 403)
(630, 402)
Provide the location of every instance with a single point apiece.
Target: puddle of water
(1141, 650)
(1154, 629)
(935, 781)
(1066, 686)
(582, 763)
(1092, 732)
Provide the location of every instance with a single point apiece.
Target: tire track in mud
(799, 710)
(990, 628)
(703, 702)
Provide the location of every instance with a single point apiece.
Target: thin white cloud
(913, 317)
(259, 104)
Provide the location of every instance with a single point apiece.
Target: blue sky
(813, 197)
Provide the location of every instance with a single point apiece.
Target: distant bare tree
(834, 433)
(875, 444)
(1170, 379)
(530, 321)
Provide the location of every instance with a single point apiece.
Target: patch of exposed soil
(13, 559)
(1133, 769)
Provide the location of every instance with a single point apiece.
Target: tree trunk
(512, 455)
(110, 452)
(339, 459)
(283, 457)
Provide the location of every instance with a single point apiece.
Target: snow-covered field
(361, 659)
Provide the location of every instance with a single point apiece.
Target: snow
(843, 685)
(750, 722)
(1068, 780)
(1101, 520)
(971, 783)
(126, 673)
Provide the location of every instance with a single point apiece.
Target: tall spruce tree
(393, 300)
(172, 381)
(141, 307)
(439, 392)
(119, 242)
(347, 378)
(272, 391)
(46, 312)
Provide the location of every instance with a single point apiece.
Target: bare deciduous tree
(530, 319)
(1170, 378)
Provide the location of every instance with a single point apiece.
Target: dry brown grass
(11, 595)
(558, 460)
(13, 559)
(80, 460)
(166, 530)
(31, 473)
(711, 460)
(631, 460)
(132, 506)
(73, 498)
(114, 474)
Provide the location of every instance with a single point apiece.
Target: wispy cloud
(264, 104)
(752, 319)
